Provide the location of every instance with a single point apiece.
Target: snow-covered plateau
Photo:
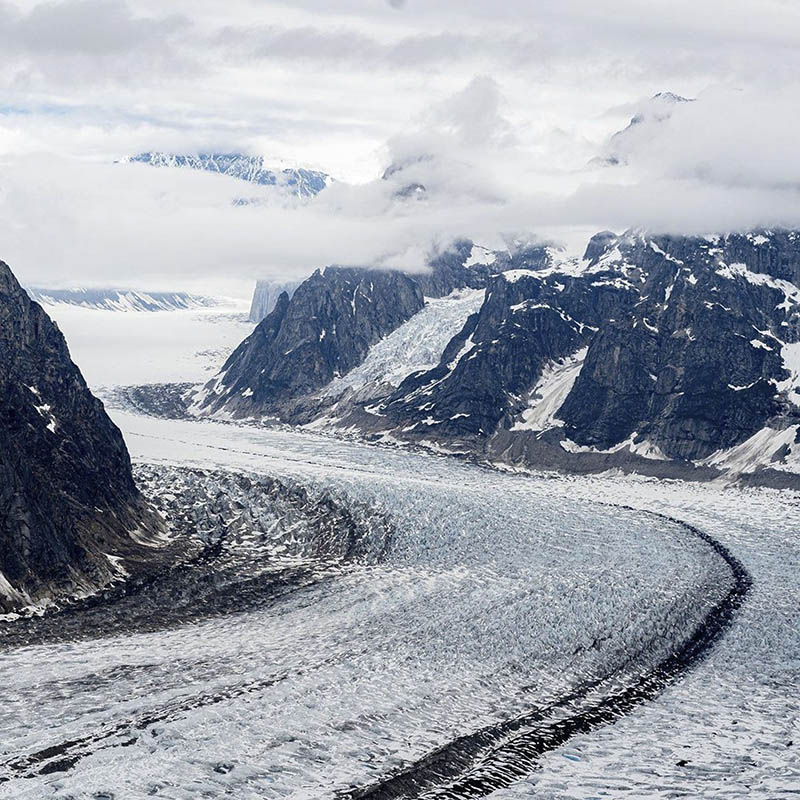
(351, 620)
(184, 345)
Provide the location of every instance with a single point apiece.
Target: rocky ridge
(327, 328)
(253, 169)
(667, 354)
(71, 517)
(121, 299)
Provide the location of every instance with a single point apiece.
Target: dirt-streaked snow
(729, 729)
(550, 393)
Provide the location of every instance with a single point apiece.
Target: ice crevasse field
(475, 602)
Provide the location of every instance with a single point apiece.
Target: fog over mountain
(496, 113)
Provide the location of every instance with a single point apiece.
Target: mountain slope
(330, 323)
(253, 169)
(695, 366)
(69, 509)
(669, 355)
(324, 331)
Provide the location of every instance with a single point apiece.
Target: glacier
(497, 594)
(352, 619)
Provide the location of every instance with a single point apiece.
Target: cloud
(494, 108)
(724, 162)
(475, 114)
(77, 43)
(88, 27)
(397, 3)
(728, 137)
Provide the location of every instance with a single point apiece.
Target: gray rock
(681, 369)
(325, 330)
(67, 496)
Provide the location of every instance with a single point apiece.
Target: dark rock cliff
(530, 317)
(67, 496)
(328, 325)
(667, 348)
(325, 330)
(694, 366)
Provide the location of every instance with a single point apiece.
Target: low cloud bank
(727, 161)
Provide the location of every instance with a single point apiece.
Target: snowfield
(114, 348)
(416, 345)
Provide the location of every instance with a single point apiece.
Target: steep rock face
(649, 349)
(328, 325)
(266, 294)
(67, 496)
(529, 318)
(695, 365)
(325, 330)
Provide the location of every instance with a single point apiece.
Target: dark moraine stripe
(482, 762)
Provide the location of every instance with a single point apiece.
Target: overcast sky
(506, 101)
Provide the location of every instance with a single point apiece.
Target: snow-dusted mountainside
(324, 331)
(121, 299)
(253, 169)
(69, 509)
(330, 323)
(669, 355)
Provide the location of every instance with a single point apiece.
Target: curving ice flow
(498, 595)
(729, 728)
(416, 345)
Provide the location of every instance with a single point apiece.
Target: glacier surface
(499, 593)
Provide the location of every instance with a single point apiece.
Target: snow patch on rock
(550, 393)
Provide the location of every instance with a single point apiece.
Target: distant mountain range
(120, 299)
(253, 169)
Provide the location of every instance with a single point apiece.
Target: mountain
(644, 126)
(696, 365)
(324, 331)
(120, 299)
(253, 169)
(665, 354)
(330, 323)
(266, 294)
(70, 513)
